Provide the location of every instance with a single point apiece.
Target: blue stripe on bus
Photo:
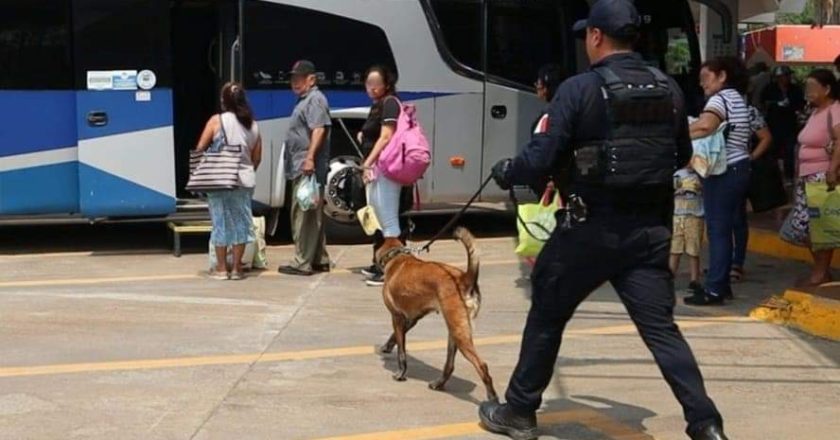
(104, 194)
(47, 189)
(125, 113)
(272, 104)
(37, 121)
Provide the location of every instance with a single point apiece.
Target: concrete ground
(117, 345)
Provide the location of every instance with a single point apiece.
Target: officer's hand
(499, 173)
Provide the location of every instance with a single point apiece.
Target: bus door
(521, 37)
(205, 55)
(124, 107)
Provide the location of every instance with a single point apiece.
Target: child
(688, 224)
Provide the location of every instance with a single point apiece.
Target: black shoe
(711, 432)
(371, 271)
(695, 288)
(501, 419)
(704, 298)
(291, 270)
(376, 280)
(321, 267)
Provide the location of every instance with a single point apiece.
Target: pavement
(140, 345)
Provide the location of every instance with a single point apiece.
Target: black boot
(501, 419)
(710, 432)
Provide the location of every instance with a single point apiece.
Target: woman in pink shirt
(816, 165)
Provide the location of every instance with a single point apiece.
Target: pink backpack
(406, 158)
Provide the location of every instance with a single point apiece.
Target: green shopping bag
(824, 216)
(535, 223)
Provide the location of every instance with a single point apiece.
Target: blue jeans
(742, 235)
(384, 197)
(723, 195)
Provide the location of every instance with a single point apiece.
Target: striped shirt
(730, 106)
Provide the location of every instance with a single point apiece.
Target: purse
(217, 168)
(832, 140)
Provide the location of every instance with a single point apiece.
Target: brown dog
(414, 288)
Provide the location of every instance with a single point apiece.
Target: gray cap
(303, 67)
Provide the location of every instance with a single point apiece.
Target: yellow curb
(812, 314)
(767, 242)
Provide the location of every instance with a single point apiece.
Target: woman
(760, 142)
(815, 165)
(384, 194)
(230, 210)
(549, 78)
(724, 81)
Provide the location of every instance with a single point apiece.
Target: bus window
(35, 51)
(525, 34)
(522, 35)
(342, 49)
(122, 35)
(459, 24)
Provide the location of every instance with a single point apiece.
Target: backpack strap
(661, 79)
(611, 80)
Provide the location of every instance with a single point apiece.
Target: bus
(102, 100)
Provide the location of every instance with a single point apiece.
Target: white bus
(101, 100)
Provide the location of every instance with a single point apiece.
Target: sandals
(736, 274)
(221, 276)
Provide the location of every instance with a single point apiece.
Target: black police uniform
(625, 240)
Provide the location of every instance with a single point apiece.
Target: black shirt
(781, 107)
(386, 110)
(576, 116)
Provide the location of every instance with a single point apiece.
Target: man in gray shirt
(307, 153)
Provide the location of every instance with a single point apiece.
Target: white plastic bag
(308, 193)
(254, 256)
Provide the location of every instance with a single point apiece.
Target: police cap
(616, 18)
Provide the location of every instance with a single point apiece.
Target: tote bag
(216, 168)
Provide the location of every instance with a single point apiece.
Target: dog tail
(469, 282)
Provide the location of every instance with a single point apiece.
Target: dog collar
(391, 254)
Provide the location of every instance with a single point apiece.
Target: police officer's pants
(631, 252)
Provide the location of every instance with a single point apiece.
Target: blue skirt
(230, 213)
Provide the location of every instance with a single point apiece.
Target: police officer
(621, 128)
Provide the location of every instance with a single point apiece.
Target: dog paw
(385, 349)
(399, 377)
(437, 385)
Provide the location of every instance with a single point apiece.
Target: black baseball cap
(303, 67)
(616, 18)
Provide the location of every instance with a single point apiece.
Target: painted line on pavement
(181, 277)
(338, 352)
(586, 417)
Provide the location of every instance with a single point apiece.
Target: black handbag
(767, 189)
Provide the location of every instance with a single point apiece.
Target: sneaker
(376, 280)
(704, 298)
(695, 288)
(371, 271)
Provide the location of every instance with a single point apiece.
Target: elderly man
(306, 154)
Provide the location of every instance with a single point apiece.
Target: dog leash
(524, 223)
(456, 217)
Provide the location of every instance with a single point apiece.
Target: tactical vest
(640, 150)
